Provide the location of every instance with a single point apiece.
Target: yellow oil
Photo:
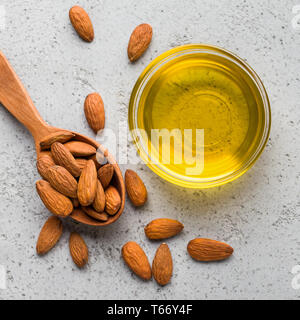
(203, 92)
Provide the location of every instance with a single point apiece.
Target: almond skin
(87, 185)
(94, 111)
(101, 216)
(136, 259)
(209, 250)
(163, 229)
(60, 136)
(99, 202)
(63, 157)
(54, 201)
(112, 200)
(139, 41)
(78, 250)
(62, 181)
(105, 175)
(135, 187)
(75, 202)
(80, 149)
(49, 235)
(81, 163)
(43, 164)
(82, 23)
(162, 266)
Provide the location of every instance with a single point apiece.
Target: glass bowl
(210, 89)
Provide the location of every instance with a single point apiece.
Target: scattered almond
(62, 181)
(163, 228)
(162, 266)
(101, 216)
(60, 136)
(63, 157)
(139, 41)
(99, 202)
(78, 250)
(80, 149)
(135, 187)
(82, 23)
(209, 250)
(87, 185)
(105, 174)
(112, 200)
(43, 164)
(136, 259)
(94, 111)
(54, 201)
(49, 235)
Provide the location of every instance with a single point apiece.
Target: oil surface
(202, 91)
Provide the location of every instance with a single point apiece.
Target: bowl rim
(147, 74)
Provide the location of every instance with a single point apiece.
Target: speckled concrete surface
(258, 214)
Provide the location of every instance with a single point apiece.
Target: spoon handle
(16, 100)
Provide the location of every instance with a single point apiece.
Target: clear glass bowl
(171, 56)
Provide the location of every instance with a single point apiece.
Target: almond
(209, 250)
(82, 23)
(101, 216)
(63, 157)
(112, 200)
(163, 229)
(105, 175)
(62, 181)
(43, 164)
(136, 259)
(80, 149)
(87, 185)
(99, 202)
(78, 250)
(60, 136)
(139, 41)
(94, 111)
(49, 235)
(81, 163)
(162, 266)
(54, 201)
(135, 187)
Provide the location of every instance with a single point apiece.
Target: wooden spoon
(16, 100)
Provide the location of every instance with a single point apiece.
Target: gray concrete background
(258, 214)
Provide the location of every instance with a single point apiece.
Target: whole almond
(80, 149)
(43, 164)
(105, 174)
(82, 23)
(163, 228)
(209, 250)
(60, 136)
(162, 266)
(94, 111)
(101, 216)
(135, 187)
(49, 235)
(87, 185)
(81, 163)
(99, 202)
(62, 181)
(63, 157)
(139, 41)
(54, 201)
(78, 250)
(136, 259)
(112, 200)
